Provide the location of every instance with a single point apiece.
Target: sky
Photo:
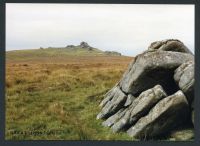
(126, 28)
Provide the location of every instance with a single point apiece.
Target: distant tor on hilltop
(83, 49)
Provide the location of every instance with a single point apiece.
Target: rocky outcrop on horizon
(86, 46)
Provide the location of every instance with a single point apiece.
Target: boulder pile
(155, 95)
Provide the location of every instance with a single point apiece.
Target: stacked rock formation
(155, 94)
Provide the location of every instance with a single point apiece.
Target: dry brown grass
(60, 94)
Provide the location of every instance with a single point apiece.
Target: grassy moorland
(56, 97)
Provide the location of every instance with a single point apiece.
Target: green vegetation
(51, 52)
(52, 95)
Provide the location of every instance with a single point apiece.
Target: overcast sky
(128, 29)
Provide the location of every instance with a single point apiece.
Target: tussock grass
(58, 99)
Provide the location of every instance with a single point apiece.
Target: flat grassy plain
(57, 97)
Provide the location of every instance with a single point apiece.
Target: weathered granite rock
(112, 119)
(129, 100)
(184, 76)
(140, 107)
(135, 101)
(165, 115)
(144, 69)
(169, 45)
(113, 53)
(183, 134)
(115, 102)
(141, 76)
(84, 45)
(109, 95)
